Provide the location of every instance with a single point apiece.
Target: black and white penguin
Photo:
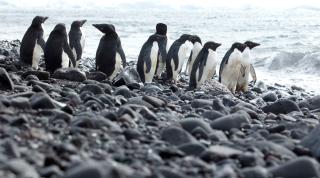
(176, 56)
(161, 29)
(77, 39)
(32, 44)
(246, 67)
(204, 65)
(148, 57)
(231, 65)
(197, 46)
(57, 53)
(110, 58)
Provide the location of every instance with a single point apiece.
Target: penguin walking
(57, 53)
(176, 56)
(161, 29)
(231, 65)
(77, 39)
(246, 67)
(32, 44)
(197, 46)
(204, 65)
(149, 56)
(110, 58)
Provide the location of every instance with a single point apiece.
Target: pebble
(41, 101)
(235, 120)
(176, 136)
(283, 106)
(5, 81)
(72, 74)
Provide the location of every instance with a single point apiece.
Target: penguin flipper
(41, 41)
(253, 73)
(78, 48)
(69, 52)
(203, 55)
(121, 53)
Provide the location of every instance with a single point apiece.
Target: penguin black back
(251, 44)
(75, 37)
(226, 57)
(33, 34)
(57, 44)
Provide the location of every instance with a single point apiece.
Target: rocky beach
(76, 124)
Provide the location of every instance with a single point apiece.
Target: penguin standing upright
(231, 65)
(176, 56)
(110, 58)
(161, 29)
(32, 44)
(246, 64)
(148, 57)
(77, 39)
(197, 46)
(205, 63)
(57, 53)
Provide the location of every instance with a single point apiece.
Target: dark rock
(312, 103)
(194, 149)
(95, 89)
(20, 103)
(283, 106)
(218, 106)
(11, 149)
(268, 147)
(22, 168)
(270, 97)
(218, 153)
(31, 77)
(300, 167)
(5, 81)
(72, 74)
(106, 87)
(176, 136)
(131, 134)
(86, 170)
(226, 123)
(97, 76)
(37, 88)
(297, 88)
(124, 91)
(156, 102)
(128, 76)
(312, 142)
(277, 129)
(255, 172)
(218, 135)
(42, 75)
(191, 124)
(41, 101)
(150, 88)
(139, 101)
(199, 103)
(171, 173)
(212, 115)
(43, 85)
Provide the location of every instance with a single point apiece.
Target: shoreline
(53, 127)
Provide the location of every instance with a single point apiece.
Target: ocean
(290, 39)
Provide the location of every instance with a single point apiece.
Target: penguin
(57, 52)
(77, 39)
(176, 56)
(149, 55)
(32, 44)
(246, 67)
(230, 66)
(197, 46)
(110, 58)
(204, 64)
(161, 29)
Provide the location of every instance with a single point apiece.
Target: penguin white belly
(117, 67)
(83, 39)
(195, 51)
(243, 79)
(230, 73)
(76, 56)
(65, 60)
(212, 64)
(37, 51)
(154, 57)
(182, 55)
(161, 65)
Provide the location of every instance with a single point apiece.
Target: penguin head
(185, 37)
(157, 37)
(251, 44)
(77, 24)
(195, 39)
(239, 46)
(38, 20)
(105, 28)
(211, 45)
(161, 29)
(60, 28)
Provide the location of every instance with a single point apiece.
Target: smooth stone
(124, 91)
(228, 122)
(270, 97)
(41, 101)
(192, 149)
(128, 76)
(156, 102)
(41, 75)
(150, 88)
(22, 169)
(297, 168)
(132, 134)
(274, 148)
(97, 76)
(277, 129)
(199, 103)
(218, 135)
(43, 85)
(31, 77)
(5, 80)
(217, 105)
(212, 115)
(312, 142)
(176, 136)
(139, 101)
(219, 152)
(93, 88)
(20, 103)
(171, 173)
(255, 172)
(311, 103)
(72, 74)
(86, 170)
(191, 124)
(283, 106)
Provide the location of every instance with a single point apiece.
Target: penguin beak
(97, 26)
(256, 44)
(45, 18)
(83, 22)
(218, 44)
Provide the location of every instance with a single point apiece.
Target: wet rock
(171, 173)
(150, 88)
(312, 142)
(31, 77)
(218, 106)
(194, 149)
(255, 172)
(124, 91)
(218, 153)
(176, 136)
(85, 171)
(72, 74)
(199, 103)
(312, 103)
(43, 85)
(235, 120)
(128, 76)
(191, 124)
(42, 75)
(5, 81)
(283, 106)
(156, 102)
(41, 101)
(93, 88)
(270, 97)
(212, 115)
(22, 168)
(272, 148)
(301, 167)
(97, 76)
